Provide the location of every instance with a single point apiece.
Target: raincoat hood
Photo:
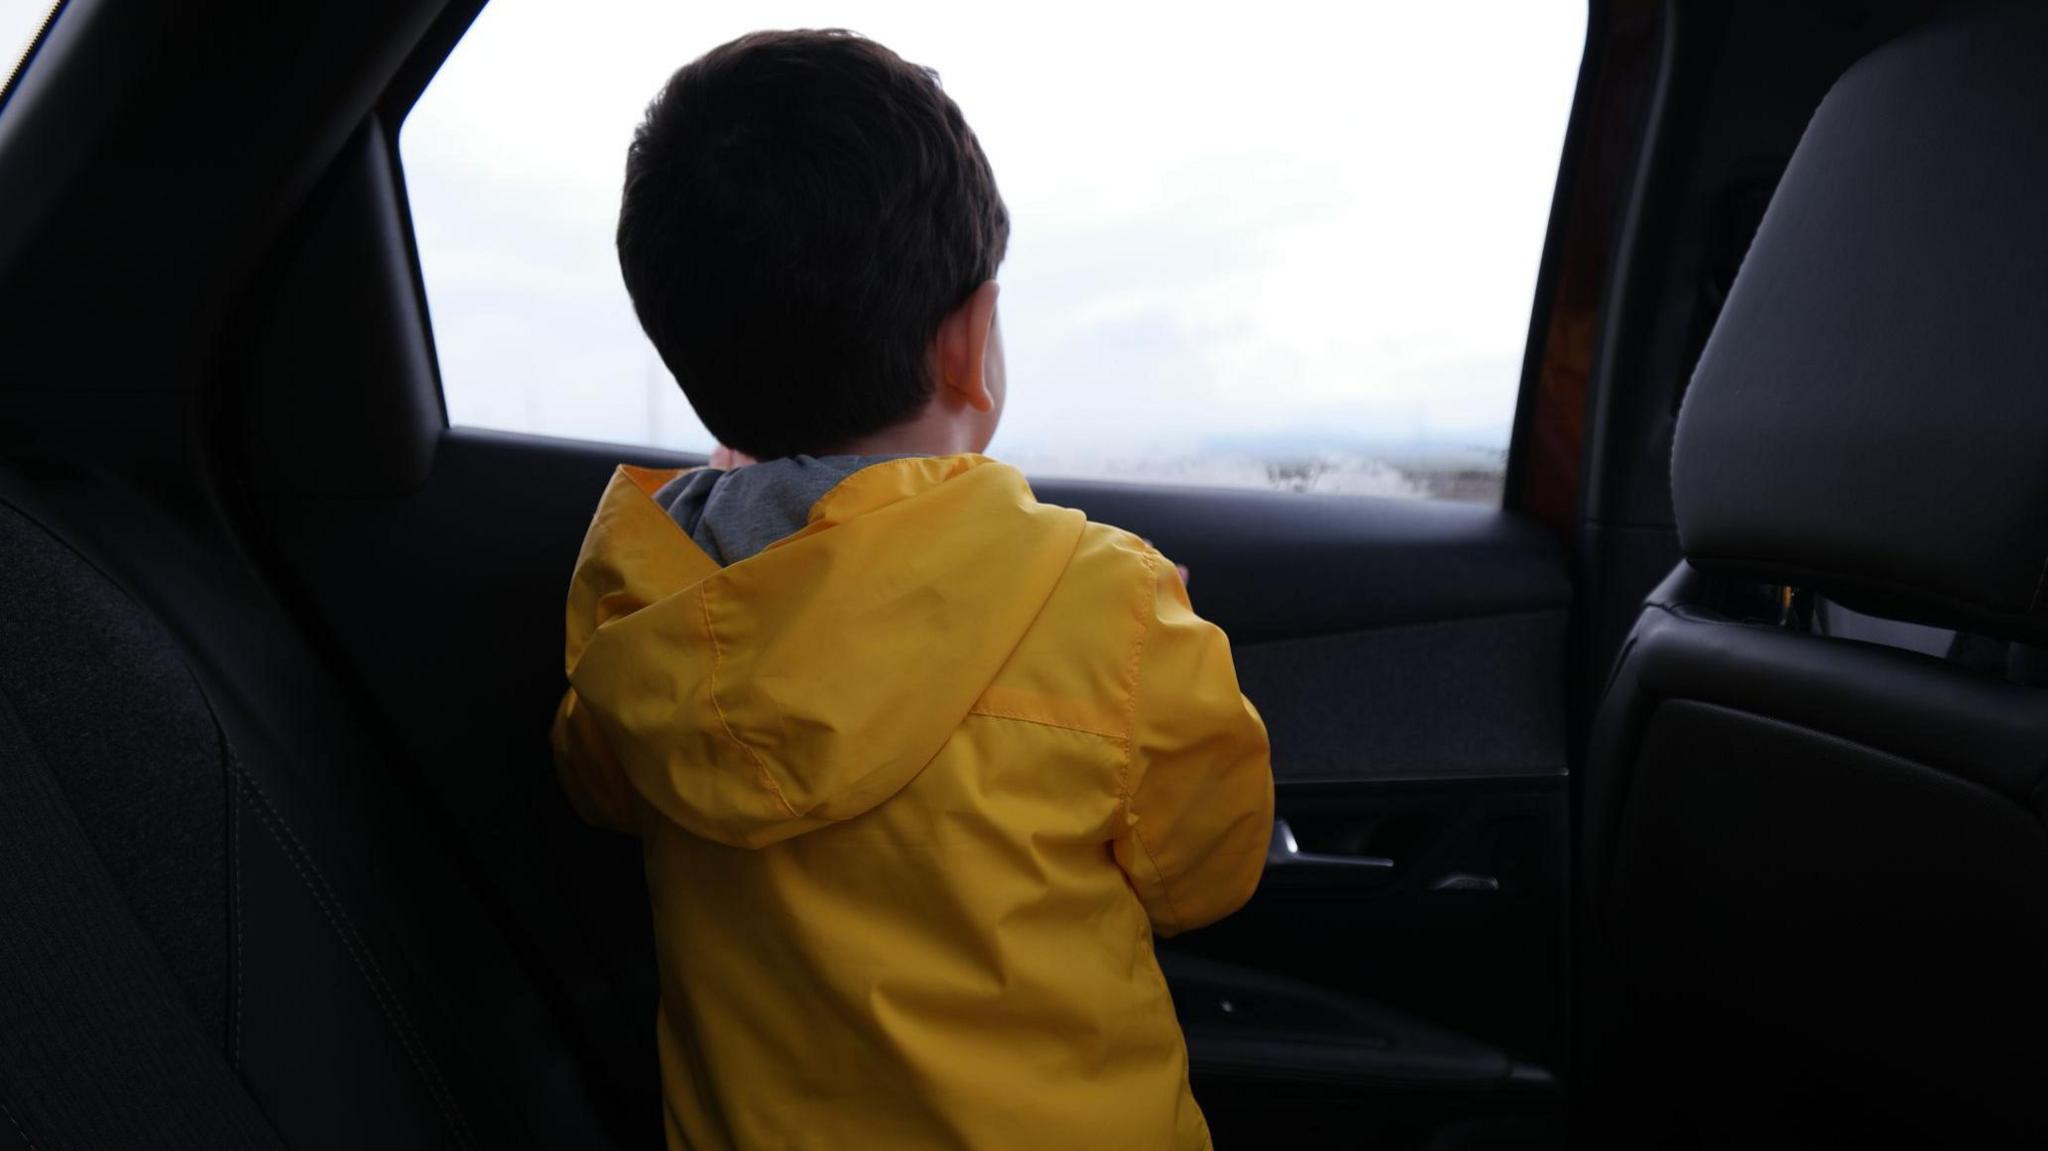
(806, 684)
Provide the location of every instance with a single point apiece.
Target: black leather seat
(226, 920)
(1816, 869)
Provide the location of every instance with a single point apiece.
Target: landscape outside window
(1277, 246)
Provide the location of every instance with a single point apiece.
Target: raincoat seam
(1131, 664)
(1159, 877)
(725, 725)
(1113, 737)
(1136, 665)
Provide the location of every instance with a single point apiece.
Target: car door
(1402, 966)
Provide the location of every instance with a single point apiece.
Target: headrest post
(1795, 609)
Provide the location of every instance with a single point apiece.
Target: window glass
(20, 21)
(1283, 245)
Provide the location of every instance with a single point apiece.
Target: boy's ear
(960, 348)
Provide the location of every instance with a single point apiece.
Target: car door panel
(1457, 699)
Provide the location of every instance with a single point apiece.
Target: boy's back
(918, 780)
(917, 786)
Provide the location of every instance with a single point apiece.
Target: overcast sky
(19, 20)
(1277, 223)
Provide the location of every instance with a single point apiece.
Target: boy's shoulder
(1111, 565)
(1075, 667)
(1103, 551)
(1114, 551)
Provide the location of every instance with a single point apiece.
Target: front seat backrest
(1816, 871)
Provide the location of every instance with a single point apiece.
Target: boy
(919, 763)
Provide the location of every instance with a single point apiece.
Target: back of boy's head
(801, 211)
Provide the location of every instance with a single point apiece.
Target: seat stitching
(358, 952)
(16, 1124)
(235, 879)
(2035, 797)
(366, 966)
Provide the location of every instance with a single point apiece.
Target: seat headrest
(1870, 416)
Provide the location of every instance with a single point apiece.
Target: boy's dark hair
(801, 210)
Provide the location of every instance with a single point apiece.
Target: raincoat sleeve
(1199, 786)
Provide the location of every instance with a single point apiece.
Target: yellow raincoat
(916, 786)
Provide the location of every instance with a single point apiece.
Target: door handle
(1284, 851)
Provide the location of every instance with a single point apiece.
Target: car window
(1289, 246)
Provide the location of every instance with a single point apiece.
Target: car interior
(1692, 795)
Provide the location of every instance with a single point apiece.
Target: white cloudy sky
(19, 20)
(1276, 223)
